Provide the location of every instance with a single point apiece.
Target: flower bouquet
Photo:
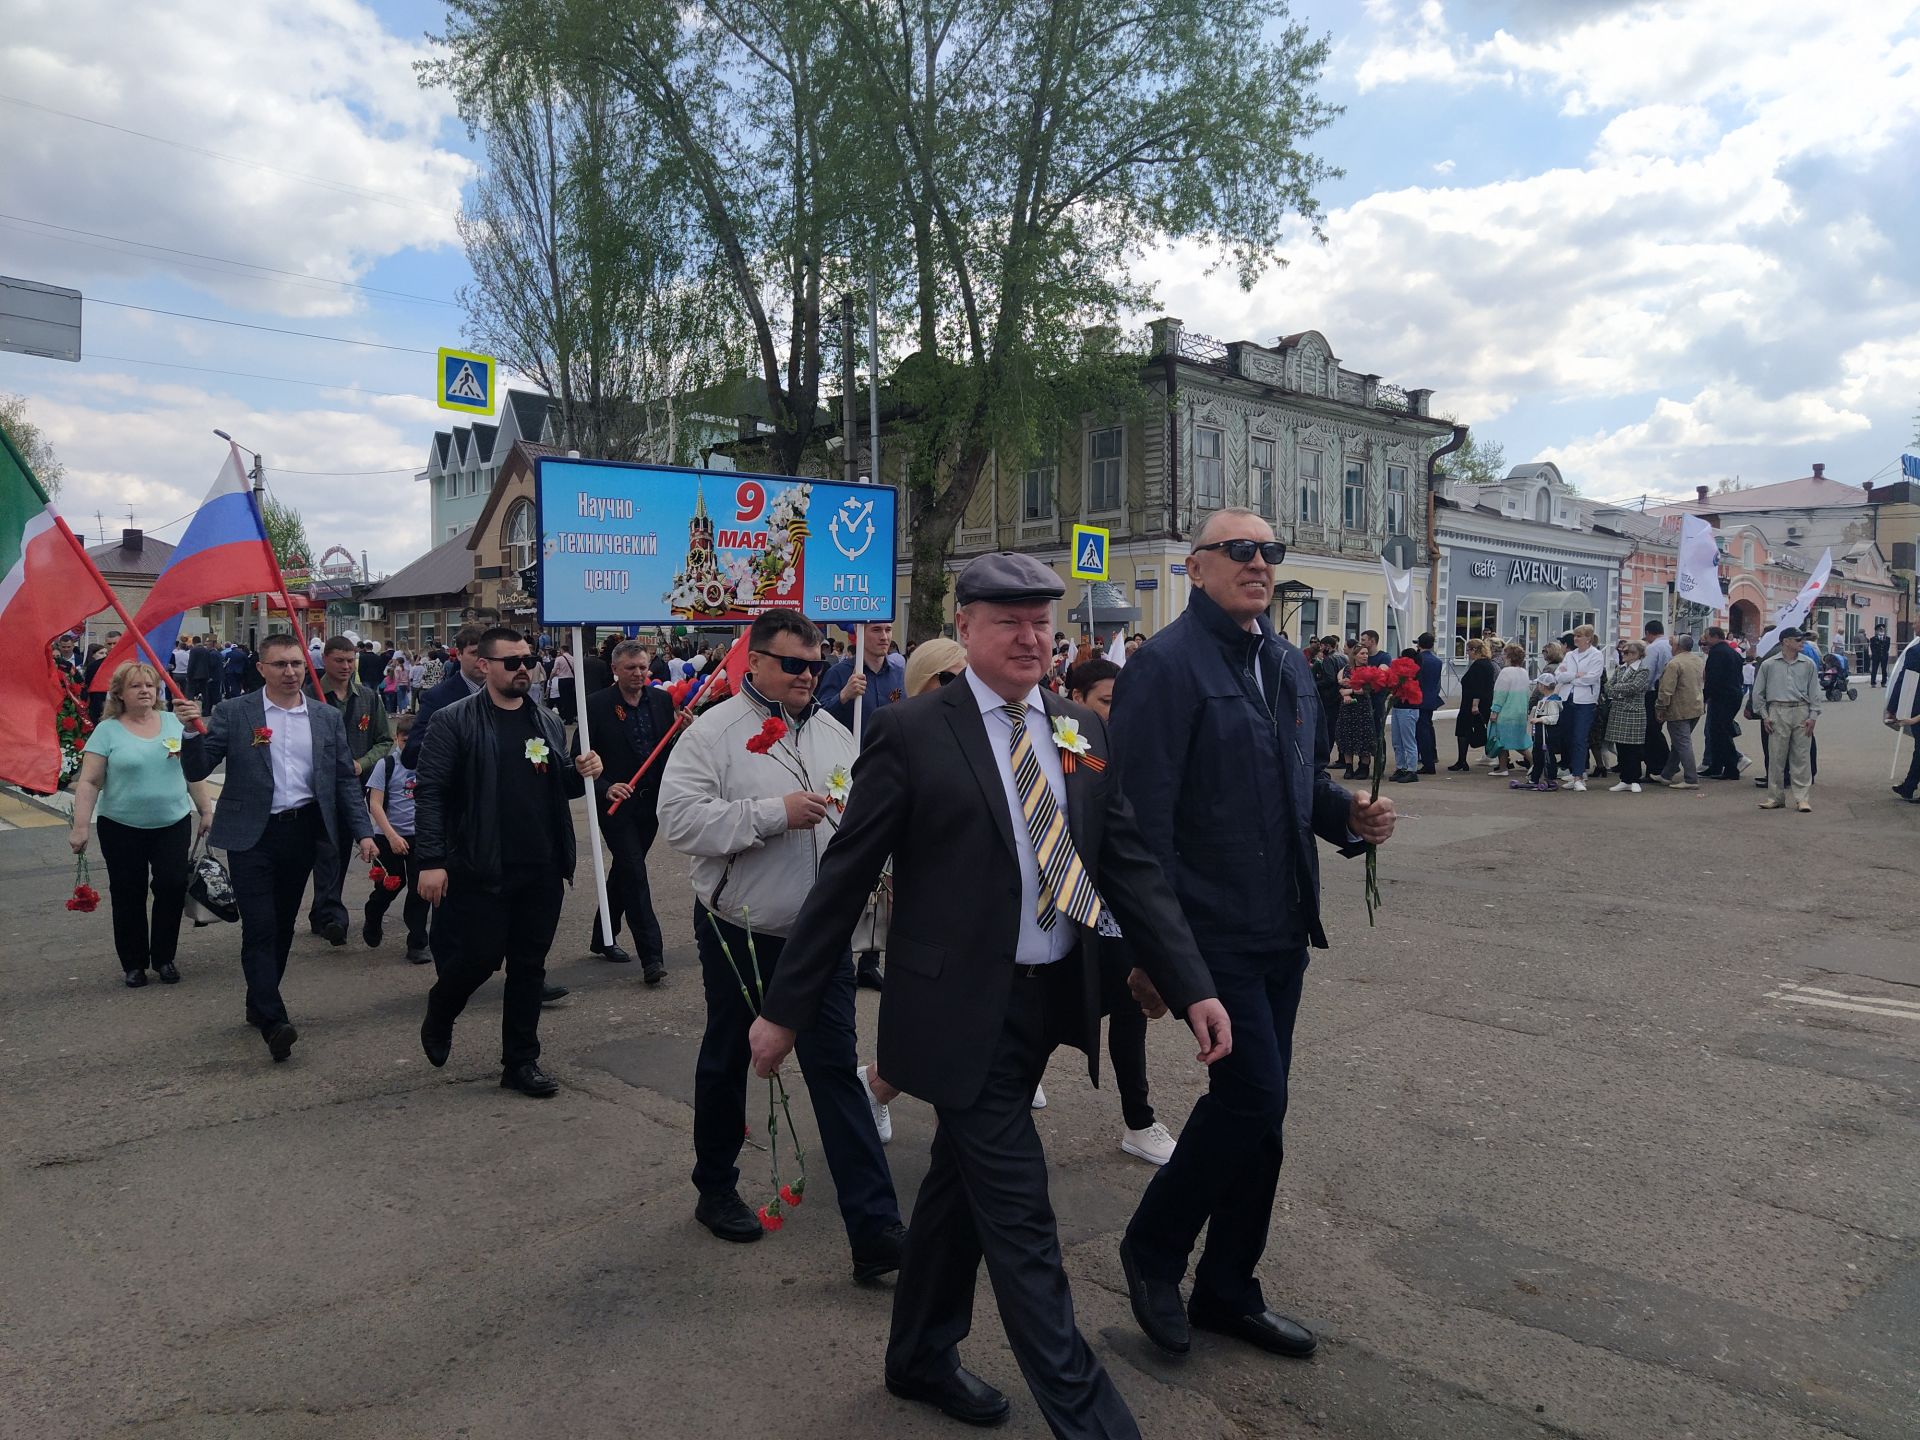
(85, 898)
(1400, 683)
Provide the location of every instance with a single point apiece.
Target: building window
(1308, 618)
(1209, 468)
(1542, 507)
(402, 621)
(1262, 461)
(519, 536)
(1037, 498)
(1310, 461)
(1471, 618)
(452, 486)
(1653, 605)
(429, 626)
(1397, 500)
(1356, 618)
(1353, 498)
(1105, 466)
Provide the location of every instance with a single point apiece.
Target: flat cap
(1006, 579)
(1792, 634)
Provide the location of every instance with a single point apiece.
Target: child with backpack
(390, 802)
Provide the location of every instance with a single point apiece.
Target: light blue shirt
(1037, 946)
(145, 785)
(1659, 656)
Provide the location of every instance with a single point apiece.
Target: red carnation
(1370, 677)
(772, 731)
(392, 882)
(1407, 693)
(377, 875)
(790, 1195)
(770, 1218)
(1405, 669)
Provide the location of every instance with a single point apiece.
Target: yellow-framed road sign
(1091, 545)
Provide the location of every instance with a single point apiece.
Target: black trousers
(136, 858)
(1907, 786)
(629, 835)
(512, 925)
(329, 880)
(861, 1179)
(1424, 738)
(380, 899)
(1223, 1173)
(268, 881)
(1723, 752)
(1877, 670)
(1656, 744)
(1126, 1045)
(1630, 761)
(985, 1197)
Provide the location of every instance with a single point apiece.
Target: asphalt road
(1607, 1129)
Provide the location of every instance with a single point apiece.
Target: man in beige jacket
(1678, 705)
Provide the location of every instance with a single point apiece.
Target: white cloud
(1443, 167)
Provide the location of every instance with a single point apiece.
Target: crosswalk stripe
(1843, 1005)
(1844, 995)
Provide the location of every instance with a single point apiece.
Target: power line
(267, 329)
(384, 196)
(18, 221)
(248, 375)
(282, 470)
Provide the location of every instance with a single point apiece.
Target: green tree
(1482, 460)
(286, 532)
(32, 443)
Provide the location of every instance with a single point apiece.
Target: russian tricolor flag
(223, 556)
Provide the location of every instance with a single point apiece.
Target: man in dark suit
(203, 673)
(467, 676)
(626, 721)
(1009, 841)
(1217, 743)
(368, 741)
(290, 790)
(1724, 692)
(372, 665)
(1431, 679)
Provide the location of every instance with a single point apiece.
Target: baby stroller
(1834, 677)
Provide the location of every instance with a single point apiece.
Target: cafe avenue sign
(1542, 574)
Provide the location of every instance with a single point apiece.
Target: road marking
(1844, 995)
(17, 814)
(1891, 1009)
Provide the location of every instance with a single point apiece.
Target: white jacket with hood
(725, 808)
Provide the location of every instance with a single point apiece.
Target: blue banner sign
(625, 544)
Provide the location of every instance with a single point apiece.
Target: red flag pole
(681, 719)
(140, 640)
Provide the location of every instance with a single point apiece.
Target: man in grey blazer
(289, 789)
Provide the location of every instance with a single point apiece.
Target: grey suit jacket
(246, 795)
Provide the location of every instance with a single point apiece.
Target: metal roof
(447, 569)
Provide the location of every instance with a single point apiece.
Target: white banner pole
(859, 668)
(593, 805)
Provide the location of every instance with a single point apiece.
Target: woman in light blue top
(131, 781)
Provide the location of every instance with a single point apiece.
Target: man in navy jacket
(1219, 748)
(1430, 682)
(468, 677)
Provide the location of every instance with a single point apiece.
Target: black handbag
(209, 889)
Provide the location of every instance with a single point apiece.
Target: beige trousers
(1789, 752)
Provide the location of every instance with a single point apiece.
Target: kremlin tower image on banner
(736, 573)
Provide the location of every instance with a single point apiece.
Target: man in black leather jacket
(496, 767)
(1723, 695)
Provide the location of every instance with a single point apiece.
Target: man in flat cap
(1009, 842)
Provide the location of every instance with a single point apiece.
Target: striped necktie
(1065, 887)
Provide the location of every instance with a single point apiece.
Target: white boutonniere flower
(537, 753)
(1074, 747)
(839, 782)
(171, 744)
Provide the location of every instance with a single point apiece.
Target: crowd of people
(824, 805)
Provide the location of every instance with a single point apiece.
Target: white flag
(1117, 651)
(1399, 586)
(1699, 577)
(1796, 611)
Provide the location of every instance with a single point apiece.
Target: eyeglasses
(794, 665)
(1241, 551)
(284, 664)
(509, 662)
(947, 677)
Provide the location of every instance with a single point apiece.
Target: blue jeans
(1579, 731)
(1406, 746)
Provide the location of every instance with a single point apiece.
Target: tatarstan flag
(47, 587)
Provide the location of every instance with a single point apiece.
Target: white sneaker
(1635, 789)
(882, 1120)
(1566, 776)
(1039, 1098)
(1579, 785)
(1153, 1144)
(1496, 772)
(1621, 788)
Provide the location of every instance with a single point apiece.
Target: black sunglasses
(794, 665)
(511, 662)
(1241, 551)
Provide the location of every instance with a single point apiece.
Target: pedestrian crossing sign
(1090, 552)
(466, 382)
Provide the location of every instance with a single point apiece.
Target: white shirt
(1037, 946)
(291, 751)
(1580, 675)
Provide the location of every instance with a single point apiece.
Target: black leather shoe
(961, 1396)
(727, 1216)
(135, 979)
(1457, 769)
(868, 976)
(437, 1042)
(167, 973)
(372, 932)
(1156, 1305)
(551, 993)
(334, 934)
(1273, 1333)
(529, 1079)
(280, 1041)
(1427, 770)
(612, 953)
(879, 1254)
(1412, 777)
(654, 970)
(418, 955)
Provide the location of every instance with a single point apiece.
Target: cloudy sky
(1657, 243)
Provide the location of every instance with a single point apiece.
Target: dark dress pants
(629, 835)
(985, 1196)
(1656, 751)
(268, 881)
(136, 857)
(1126, 1042)
(1425, 740)
(414, 909)
(513, 925)
(827, 1058)
(1907, 787)
(1723, 754)
(329, 882)
(1223, 1172)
